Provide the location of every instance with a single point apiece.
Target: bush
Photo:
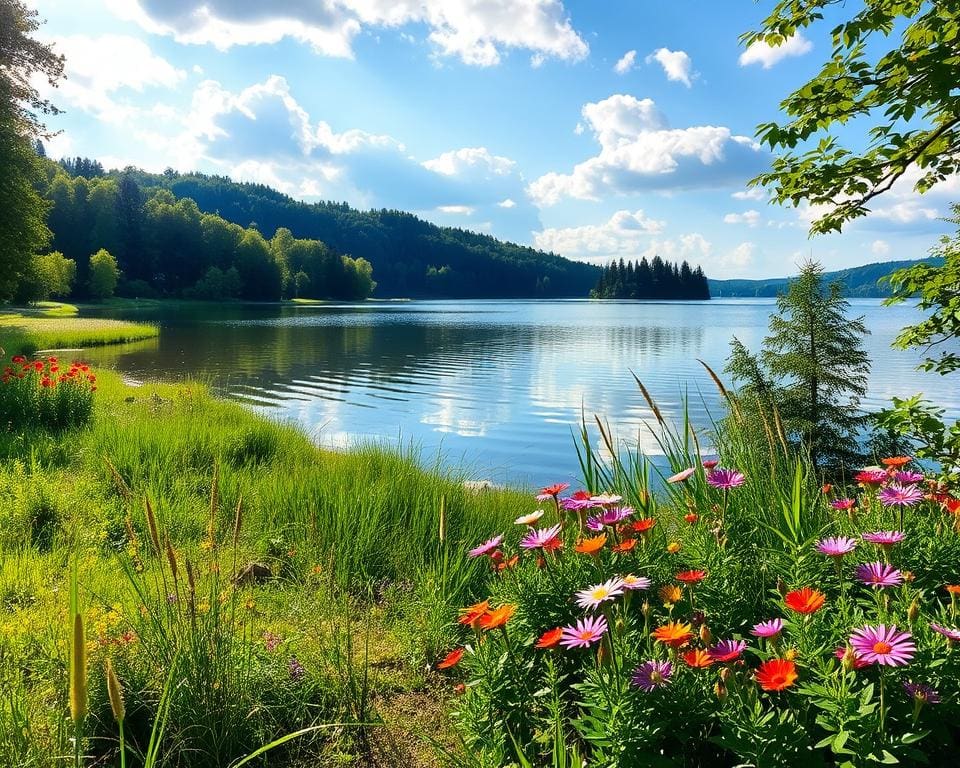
(651, 636)
(40, 394)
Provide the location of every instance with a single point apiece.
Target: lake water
(497, 386)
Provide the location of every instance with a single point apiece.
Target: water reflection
(498, 384)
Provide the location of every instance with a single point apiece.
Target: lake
(494, 386)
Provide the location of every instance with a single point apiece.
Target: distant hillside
(858, 282)
(410, 257)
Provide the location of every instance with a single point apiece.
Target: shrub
(41, 394)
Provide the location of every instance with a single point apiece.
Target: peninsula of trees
(656, 279)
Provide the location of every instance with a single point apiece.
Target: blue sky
(597, 130)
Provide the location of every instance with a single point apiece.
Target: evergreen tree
(813, 368)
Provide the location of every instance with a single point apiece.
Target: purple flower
(537, 538)
(884, 538)
(578, 505)
(727, 650)
(770, 628)
(296, 670)
(725, 479)
(652, 675)
(883, 645)
(836, 546)
(843, 504)
(896, 495)
(879, 575)
(947, 632)
(905, 477)
(586, 632)
(610, 516)
(921, 693)
(487, 547)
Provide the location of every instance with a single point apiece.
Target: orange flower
(642, 526)
(673, 633)
(549, 638)
(553, 544)
(896, 461)
(697, 658)
(591, 546)
(471, 616)
(451, 659)
(953, 589)
(826, 488)
(625, 546)
(670, 594)
(508, 563)
(804, 600)
(496, 618)
(952, 505)
(673, 547)
(776, 674)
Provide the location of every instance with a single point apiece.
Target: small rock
(253, 573)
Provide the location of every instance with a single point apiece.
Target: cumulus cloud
(624, 234)
(470, 158)
(478, 32)
(754, 193)
(677, 65)
(880, 248)
(767, 55)
(625, 63)
(638, 151)
(739, 258)
(751, 218)
(99, 70)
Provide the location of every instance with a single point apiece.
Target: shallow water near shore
(495, 387)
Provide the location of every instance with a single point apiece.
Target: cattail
(172, 559)
(115, 692)
(78, 671)
(152, 525)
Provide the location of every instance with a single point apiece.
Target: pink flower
(836, 546)
(608, 516)
(947, 632)
(586, 632)
(871, 477)
(896, 495)
(725, 479)
(879, 575)
(883, 538)
(883, 645)
(710, 463)
(770, 628)
(681, 475)
(727, 650)
(842, 504)
(487, 547)
(536, 539)
(907, 478)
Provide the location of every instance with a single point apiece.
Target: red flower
(644, 525)
(18, 359)
(549, 638)
(691, 577)
(624, 546)
(804, 600)
(827, 488)
(776, 674)
(691, 517)
(581, 495)
(554, 490)
(38, 365)
(697, 658)
(451, 659)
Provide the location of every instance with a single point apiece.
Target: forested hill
(411, 257)
(857, 282)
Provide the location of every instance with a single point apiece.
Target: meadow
(53, 325)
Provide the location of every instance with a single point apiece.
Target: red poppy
(549, 638)
(691, 517)
(38, 365)
(18, 359)
(451, 659)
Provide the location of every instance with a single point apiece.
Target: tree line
(656, 279)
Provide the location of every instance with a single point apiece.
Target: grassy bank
(343, 627)
(51, 325)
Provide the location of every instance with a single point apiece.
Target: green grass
(361, 594)
(55, 327)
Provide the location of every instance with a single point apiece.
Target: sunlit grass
(58, 329)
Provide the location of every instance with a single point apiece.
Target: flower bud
(706, 637)
(720, 690)
(849, 659)
(913, 612)
(908, 576)
(646, 608)
(781, 587)
(725, 674)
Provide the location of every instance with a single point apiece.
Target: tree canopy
(892, 71)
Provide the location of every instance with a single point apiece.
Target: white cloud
(470, 158)
(766, 55)
(461, 210)
(880, 248)
(477, 32)
(99, 69)
(625, 63)
(624, 234)
(638, 151)
(677, 65)
(507, 203)
(751, 218)
(739, 258)
(754, 193)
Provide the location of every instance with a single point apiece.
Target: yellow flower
(670, 594)
(791, 654)
(673, 547)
